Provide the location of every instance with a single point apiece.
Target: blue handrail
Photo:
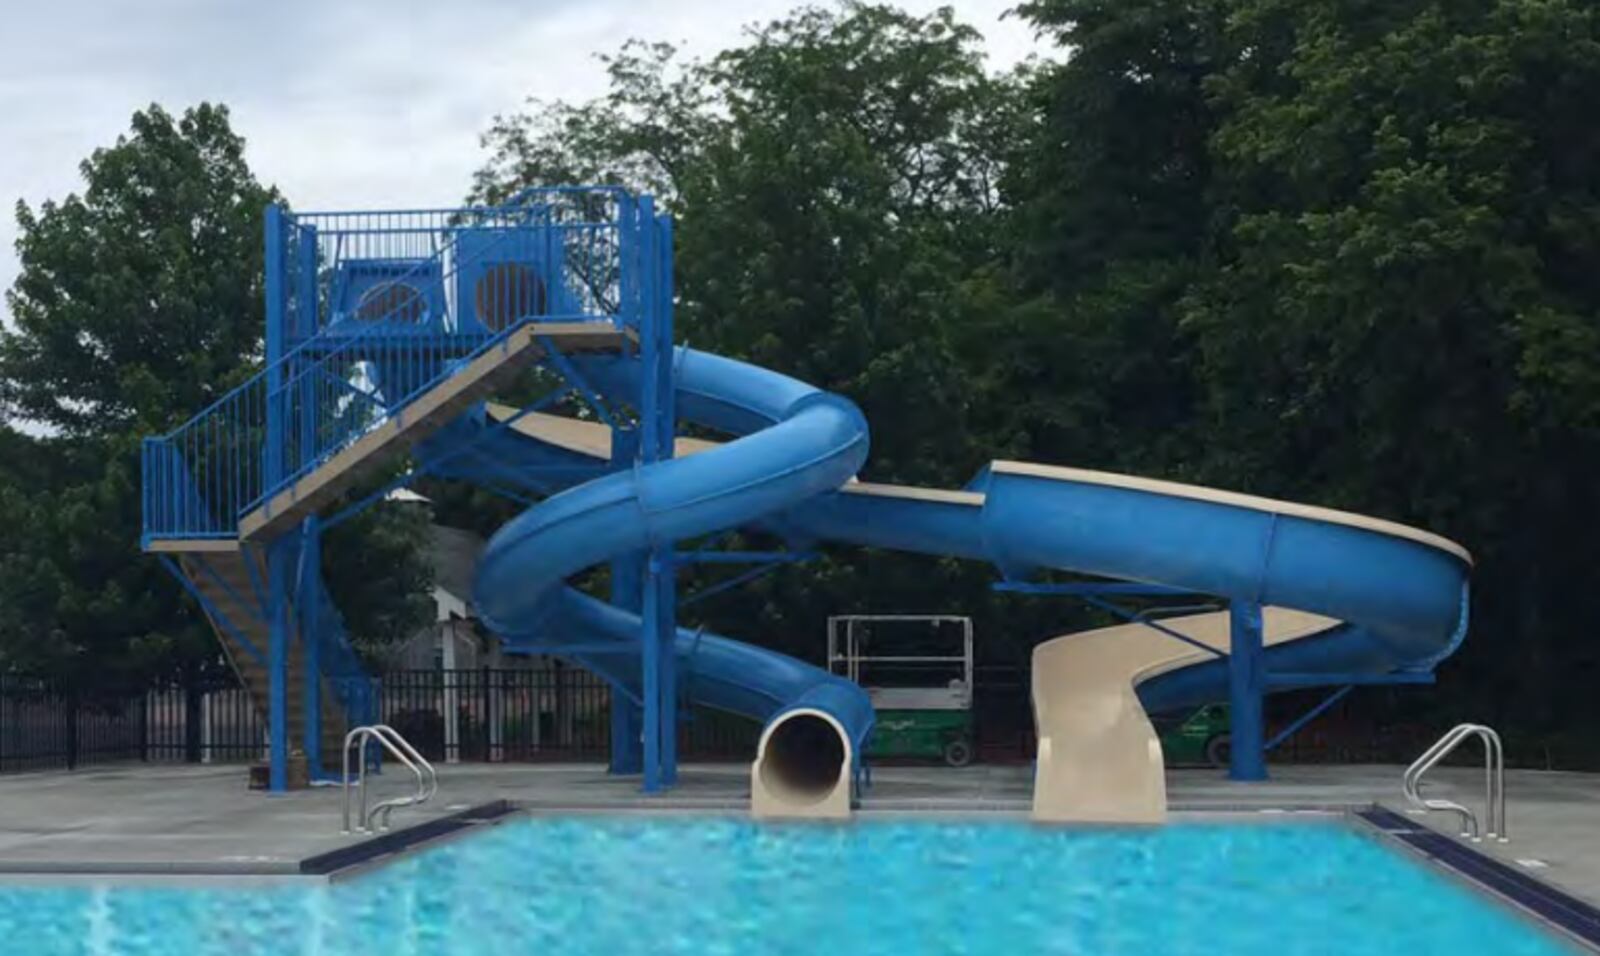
(360, 367)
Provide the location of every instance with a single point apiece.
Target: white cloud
(345, 105)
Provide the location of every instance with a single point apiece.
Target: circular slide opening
(804, 757)
(391, 302)
(507, 293)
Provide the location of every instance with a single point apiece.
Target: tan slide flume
(1099, 759)
(1375, 596)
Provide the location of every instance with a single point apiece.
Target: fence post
(564, 714)
(191, 718)
(145, 700)
(72, 729)
(450, 703)
(207, 744)
(496, 717)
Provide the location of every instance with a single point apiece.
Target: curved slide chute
(1343, 593)
(801, 442)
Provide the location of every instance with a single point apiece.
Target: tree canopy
(1334, 251)
(139, 302)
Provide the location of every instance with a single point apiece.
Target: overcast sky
(344, 103)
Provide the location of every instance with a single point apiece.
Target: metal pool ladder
(1494, 773)
(400, 750)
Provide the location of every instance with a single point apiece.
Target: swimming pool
(613, 886)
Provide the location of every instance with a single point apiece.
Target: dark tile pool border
(1573, 916)
(330, 864)
(367, 852)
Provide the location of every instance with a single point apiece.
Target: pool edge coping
(336, 863)
(1555, 910)
(1528, 896)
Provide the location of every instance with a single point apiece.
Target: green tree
(1401, 316)
(139, 302)
(1111, 224)
(1338, 251)
(1340, 248)
(835, 180)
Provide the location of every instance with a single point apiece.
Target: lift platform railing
(401, 750)
(1494, 772)
(404, 336)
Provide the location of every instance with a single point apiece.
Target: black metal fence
(552, 712)
(1357, 730)
(45, 726)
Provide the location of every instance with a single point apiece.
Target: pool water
(657, 885)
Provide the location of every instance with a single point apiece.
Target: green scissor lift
(1198, 736)
(924, 703)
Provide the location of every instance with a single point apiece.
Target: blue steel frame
(333, 369)
(657, 437)
(1248, 677)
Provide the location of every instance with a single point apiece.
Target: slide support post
(1246, 687)
(278, 573)
(627, 592)
(277, 307)
(307, 596)
(657, 429)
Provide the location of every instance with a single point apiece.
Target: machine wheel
(1219, 750)
(958, 753)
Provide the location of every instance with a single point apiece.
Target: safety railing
(388, 305)
(407, 755)
(1494, 772)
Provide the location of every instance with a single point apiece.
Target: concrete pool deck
(163, 819)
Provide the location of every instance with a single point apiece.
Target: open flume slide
(1099, 758)
(1344, 593)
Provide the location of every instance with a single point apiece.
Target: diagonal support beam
(1135, 618)
(568, 371)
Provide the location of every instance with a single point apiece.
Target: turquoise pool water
(622, 886)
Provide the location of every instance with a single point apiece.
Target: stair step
(424, 415)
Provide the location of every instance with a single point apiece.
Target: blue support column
(1246, 686)
(666, 436)
(627, 592)
(277, 343)
(278, 584)
(660, 702)
(307, 600)
(664, 579)
(279, 572)
(305, 326)
(305, 290)
(657, 428)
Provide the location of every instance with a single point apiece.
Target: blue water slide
(801, 443)
(1399, 592)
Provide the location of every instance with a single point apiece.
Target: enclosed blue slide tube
(801, 443)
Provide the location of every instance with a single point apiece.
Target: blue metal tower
(382, 328)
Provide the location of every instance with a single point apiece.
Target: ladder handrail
(427, 777)
(402, 751)
(1494, 771)
(423, 762)
(1411, 785)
